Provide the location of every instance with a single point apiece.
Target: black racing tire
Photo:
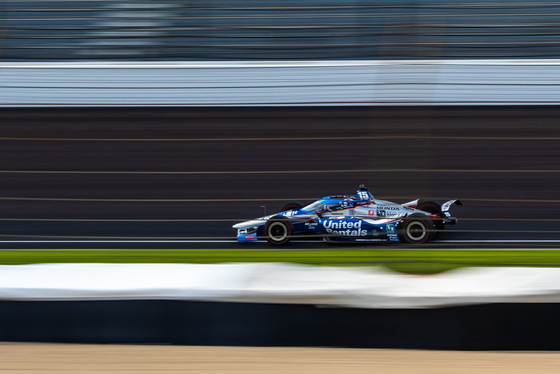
(433, 207)
(430, 206)
(278, 230)
(292, 205)
(416, 229)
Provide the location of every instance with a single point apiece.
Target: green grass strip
(418, 261)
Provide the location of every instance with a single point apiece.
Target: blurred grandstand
(44, 30)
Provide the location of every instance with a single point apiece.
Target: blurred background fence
(289, 29)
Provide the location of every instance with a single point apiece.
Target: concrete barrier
(366, 287)
(280, 305)
(296, 83)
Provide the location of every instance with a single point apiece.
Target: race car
(356, 218)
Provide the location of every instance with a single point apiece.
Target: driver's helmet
(363, 193)
(331, 206)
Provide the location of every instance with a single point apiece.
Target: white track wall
(315, 83)
(279, 283)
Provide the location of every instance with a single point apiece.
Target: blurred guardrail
(278, 283)
(279, 305)
(287, 29)
(342, 83)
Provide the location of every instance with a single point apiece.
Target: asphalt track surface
(180, 177)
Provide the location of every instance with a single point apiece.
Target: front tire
(291, 206)
(416, 229)
(278, 231)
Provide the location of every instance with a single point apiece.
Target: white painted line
(140, 241)
(262, 241)
(499, 241)
(268, 64)
(116, 241)
(315, 171)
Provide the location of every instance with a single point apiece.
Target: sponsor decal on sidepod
(344, 228)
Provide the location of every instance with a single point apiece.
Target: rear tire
(433, 207)
(430, 206)
(416, 229)
(278, 230)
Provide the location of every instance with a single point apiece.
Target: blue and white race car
(352, 218)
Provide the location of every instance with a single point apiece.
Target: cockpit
(327, 205)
